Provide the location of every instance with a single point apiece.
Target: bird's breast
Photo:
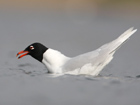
(54, 60)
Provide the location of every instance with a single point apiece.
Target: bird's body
(90, 63)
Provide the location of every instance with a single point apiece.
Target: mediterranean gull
(90, 63)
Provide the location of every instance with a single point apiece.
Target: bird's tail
(122, 38)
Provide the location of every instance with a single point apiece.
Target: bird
(90, 63)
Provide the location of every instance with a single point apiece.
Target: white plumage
(90, 63)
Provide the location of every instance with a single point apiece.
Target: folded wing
(93, 62)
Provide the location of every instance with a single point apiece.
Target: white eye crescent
(32, 47)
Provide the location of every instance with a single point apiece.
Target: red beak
(22, 52)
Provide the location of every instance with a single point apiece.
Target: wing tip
(132, 29)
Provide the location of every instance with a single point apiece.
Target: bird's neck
(54, 60)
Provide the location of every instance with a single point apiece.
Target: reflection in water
(26, 64)
(138, 76)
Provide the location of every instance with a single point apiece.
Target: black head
(36, 50)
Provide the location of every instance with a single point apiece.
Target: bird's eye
(31, 47)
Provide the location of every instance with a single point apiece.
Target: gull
(90, 63)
